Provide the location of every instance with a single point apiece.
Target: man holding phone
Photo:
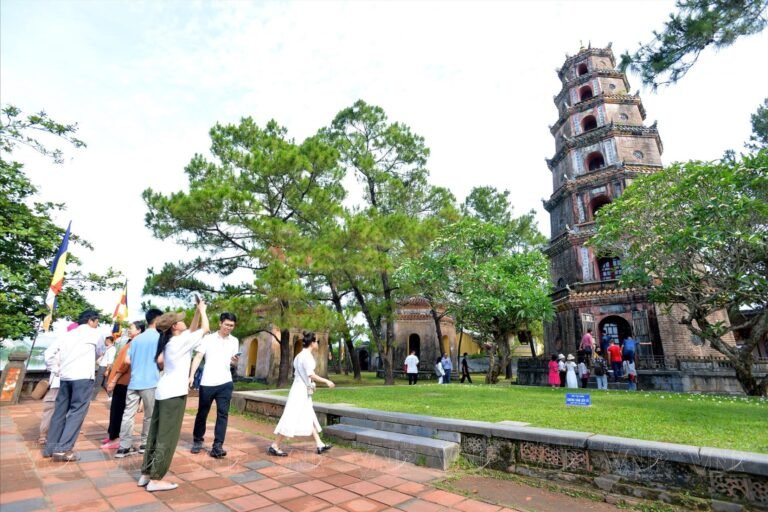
(221, 351)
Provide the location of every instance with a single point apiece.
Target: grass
(719, 421)
(341, 380)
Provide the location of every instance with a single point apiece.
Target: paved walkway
(247, 479)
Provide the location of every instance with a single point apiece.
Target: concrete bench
(425, 451)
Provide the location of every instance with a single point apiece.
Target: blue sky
(147, 80)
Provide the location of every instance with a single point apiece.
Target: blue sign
(578, 399)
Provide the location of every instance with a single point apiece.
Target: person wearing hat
(174, 357)
(561, 369)
(570, 367)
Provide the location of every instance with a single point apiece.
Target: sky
(145, 81)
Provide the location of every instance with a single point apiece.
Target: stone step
(403, 428)
(423, 451)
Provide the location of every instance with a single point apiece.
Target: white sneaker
(143, 480)
(161, 486)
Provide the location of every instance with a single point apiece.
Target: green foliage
(697, 232)
(485, 269)
(17, 130)
(697, 25)
(252, 210)
(759, 138)
(401, 212)
(29, 238)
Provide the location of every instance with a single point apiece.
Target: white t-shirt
(412, 364)
(218, 355)
(77, 353)
(109, 357)
(177, 359)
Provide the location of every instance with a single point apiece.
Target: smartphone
(238, 354)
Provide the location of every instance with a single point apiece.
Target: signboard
(578, 399)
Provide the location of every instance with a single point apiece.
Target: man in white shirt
(221, 350)
(75, 369)
(412, 368)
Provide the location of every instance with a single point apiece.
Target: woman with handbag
(299, 418)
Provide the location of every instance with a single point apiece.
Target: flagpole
(32, 348)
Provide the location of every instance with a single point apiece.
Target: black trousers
(413, 378)
(222, 394)
(562, 379)
(116, 410)
(465, 375)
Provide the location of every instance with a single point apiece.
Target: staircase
(419, 445)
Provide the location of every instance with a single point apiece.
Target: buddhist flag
(121, 310)
(57, 281)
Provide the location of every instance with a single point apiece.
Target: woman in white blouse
(299, 418)
(174, 358)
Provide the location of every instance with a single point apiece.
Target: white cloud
(146, 81)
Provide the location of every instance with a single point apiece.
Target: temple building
(601, 144)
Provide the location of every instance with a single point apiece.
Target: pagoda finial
(589, 46)
(610, 44)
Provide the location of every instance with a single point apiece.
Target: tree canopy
(28, 236)
(486, 270)
(698, 233)
(696, 25)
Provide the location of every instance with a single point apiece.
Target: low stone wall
(688, 476)
(691, 376)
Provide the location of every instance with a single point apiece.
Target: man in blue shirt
(629, 349)
(144, 377)
(447, 366)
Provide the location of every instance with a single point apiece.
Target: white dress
(570, 376)
(298, 416)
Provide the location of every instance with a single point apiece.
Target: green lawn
(341, 380)
(702, 420)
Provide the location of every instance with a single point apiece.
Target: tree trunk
(438, 330)
(505, 357)
(461, 335)
(375, 328)
(389, 335)
(285, 358)
(353, 355)
(743, 359)
(492, 377)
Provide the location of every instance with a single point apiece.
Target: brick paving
(341, 480)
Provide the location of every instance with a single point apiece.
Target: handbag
(311, 386)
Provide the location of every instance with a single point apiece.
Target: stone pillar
(12, 378)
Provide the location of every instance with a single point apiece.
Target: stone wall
(687, 476)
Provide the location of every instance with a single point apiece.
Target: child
(629, 369)
(583, 373)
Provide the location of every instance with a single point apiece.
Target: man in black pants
(220, 350)
(465, 369)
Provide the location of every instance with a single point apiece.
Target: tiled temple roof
(586, 52)
(597, 177)
(604, 132)
(614, 99)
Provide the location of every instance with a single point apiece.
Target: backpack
(600, 369)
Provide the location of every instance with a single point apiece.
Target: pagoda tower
(601, 144)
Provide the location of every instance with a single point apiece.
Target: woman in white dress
(570, 375)
(299, 418)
